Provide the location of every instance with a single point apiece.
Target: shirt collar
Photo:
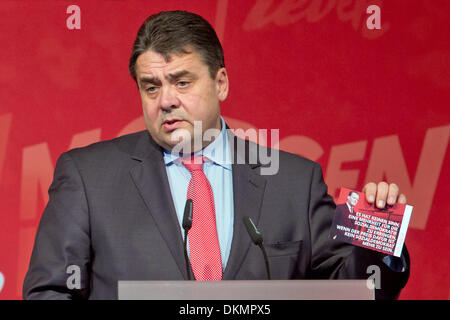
(217, 151)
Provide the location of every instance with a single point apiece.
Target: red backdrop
(366, 104)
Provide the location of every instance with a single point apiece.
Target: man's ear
(222, 84)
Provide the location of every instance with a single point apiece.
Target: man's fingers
(392, 194)
(402, 199)
(382, 192)
(370, 191)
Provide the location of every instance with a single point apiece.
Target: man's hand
(383, 193)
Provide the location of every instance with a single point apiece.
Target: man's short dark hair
(177, 32)
(350, 193)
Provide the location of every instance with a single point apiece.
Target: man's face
(178, 92)
(352, 199)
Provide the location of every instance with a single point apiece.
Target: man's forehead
(151, 60)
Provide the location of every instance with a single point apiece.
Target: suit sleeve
(60, 260)
(332, 259)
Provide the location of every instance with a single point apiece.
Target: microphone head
(253, 231)
(187, 217)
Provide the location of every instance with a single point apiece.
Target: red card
(362, 224)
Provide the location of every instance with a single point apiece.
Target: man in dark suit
(342, 213)
(115, 207)
(347, 208)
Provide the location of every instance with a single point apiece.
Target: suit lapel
(248, 190)
(150, 178)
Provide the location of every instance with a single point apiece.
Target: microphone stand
(257, 239)
(187, 225)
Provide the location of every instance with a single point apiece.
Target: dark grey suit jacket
(111, 214)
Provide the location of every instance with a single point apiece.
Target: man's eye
(151, 89)
(182, 84)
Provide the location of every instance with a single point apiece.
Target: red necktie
(203, 242)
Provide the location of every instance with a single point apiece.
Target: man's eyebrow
(150, 80)
(171, 77)
(179, 74)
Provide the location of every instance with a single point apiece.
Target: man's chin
(179, 141)
(181, 147)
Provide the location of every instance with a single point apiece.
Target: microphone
(187, 225)
(257, 239)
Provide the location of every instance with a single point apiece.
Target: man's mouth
(171, 124)
(171, 121)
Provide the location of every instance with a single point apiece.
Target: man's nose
(169, 99)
